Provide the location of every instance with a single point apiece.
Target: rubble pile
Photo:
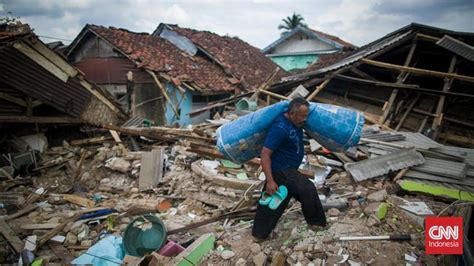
(81, 193)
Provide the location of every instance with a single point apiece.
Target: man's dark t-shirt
(286, 142)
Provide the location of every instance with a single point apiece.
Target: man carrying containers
(281, 157)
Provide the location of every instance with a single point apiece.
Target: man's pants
(300, 188)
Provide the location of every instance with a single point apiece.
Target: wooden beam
(36, 103)
(318, 89)
(265, 84)
(9, 235)
(419, 71)
(99, 96)
(361, 73)
(12, 99)
(439, 109)
(410, 107)
(412, 87)
(41, 119)
(163, 90)
(456, 121)
(400, 79)
(457, 138)
(427, 37)
(275, 95)
(54, 58)
(29, 106)
(41, 60)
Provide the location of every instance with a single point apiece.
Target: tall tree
(292, 22)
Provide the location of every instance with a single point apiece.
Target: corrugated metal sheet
(466, 153)
(112, 70)
(443, 168)
(358, 55)
(22, 73)
(383, 136)
(421, 175)
(442, 184)
(381, 165)
(456, 46)
(418, 140)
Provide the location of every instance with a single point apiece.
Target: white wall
(301, 43)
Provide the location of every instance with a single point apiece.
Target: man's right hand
(271, 187)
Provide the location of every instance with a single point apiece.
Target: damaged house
(39, 86)
(166, 75)
(302, 47)
(418, 78)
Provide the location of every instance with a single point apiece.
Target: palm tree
(292, 22)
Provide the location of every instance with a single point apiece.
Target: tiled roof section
(324, 61)
(346, 45)
(156, 54)
(238, 57)
(328, 59)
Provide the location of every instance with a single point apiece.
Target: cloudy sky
(356, 21)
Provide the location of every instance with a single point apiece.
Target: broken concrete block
(372, 220)
(71, 239)
(278, 259)
(255, 248)
(241, 262)
(333, 212)
(378, 196)
(118, 164)
(227, 254)
(379, 209)
(259, 259)
(301, 247)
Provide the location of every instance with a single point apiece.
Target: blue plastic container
(336, 128)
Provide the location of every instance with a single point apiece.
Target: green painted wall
(290, 62)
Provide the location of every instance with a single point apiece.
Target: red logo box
(444, 235)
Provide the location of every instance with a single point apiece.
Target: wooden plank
(78, 200)
(439, 109)
(54, 58)
(38, 226)
(12, 239)
(56, 230)
(41, 119)
(115, 135)
(78, 171)
(41, 60)
(22, 212)
(419, 71)
(95, 140)
(61, 252)
(163, 90)
(12, 99)
(151, 170)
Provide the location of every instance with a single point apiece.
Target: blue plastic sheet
(107, 252)
(334, 127)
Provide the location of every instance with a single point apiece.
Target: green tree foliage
(291, 22)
